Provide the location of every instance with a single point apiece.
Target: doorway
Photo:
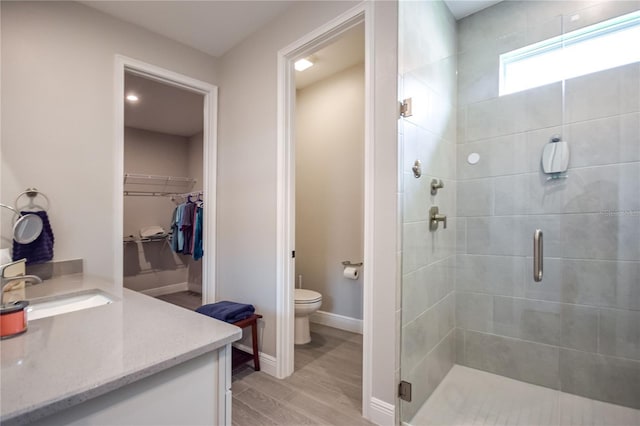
(285, 243)
(329, 179)
(167, 161)
(329, 204)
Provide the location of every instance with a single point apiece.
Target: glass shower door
(482, 340)
(428, 150)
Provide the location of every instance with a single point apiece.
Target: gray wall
(58, 114)
(385, 297)
(577, 330)
(330, 188)
(152, 153)
(428, 77)
(195, 160)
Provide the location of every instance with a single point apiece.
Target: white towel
(152, 231)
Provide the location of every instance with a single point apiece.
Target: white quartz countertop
(67, 359)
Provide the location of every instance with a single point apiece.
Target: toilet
(307, 302)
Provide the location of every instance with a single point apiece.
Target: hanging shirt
(193, 228)
(179, 220)
(174, 230)
(197, 236)
(187, 227)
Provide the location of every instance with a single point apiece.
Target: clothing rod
(193, 194)
(186, 195)
(161, 194)
(157, 177)
(129, 240)
(147, 194)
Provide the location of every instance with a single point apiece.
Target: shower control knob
(435, 185)
(435, 217)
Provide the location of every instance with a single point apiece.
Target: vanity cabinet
(196, 392)
(135, 361)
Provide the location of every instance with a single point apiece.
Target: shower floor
(472, 397)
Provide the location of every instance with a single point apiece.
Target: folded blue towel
(227, 311)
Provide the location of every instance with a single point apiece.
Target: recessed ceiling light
(302, 64)
(132, 98)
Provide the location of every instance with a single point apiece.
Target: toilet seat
(303, 296)
(307, 303)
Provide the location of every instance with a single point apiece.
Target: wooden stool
(240, 357)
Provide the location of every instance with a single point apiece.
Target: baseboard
(167, 289)
(337, 321)
(267, 362)
(382, 413)
(196, 288)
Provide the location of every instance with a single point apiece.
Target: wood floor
(186, 299)
(326, 388)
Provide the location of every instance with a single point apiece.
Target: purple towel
(40, 250)
(227, 311)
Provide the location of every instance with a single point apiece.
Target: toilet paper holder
(348, 263)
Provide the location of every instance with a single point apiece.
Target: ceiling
(345, 52)
(213, 27)
(162, 108)
(463, 8)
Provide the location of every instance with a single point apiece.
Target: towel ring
(32, 193)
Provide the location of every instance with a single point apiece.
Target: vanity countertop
(66, 359)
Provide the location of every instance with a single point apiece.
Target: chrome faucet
(5, 281)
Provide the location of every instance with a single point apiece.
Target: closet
(163, 168)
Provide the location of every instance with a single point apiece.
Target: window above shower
(605, 45)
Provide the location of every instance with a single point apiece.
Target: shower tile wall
(579, 329)
(427, 75)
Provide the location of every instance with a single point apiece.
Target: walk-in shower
(483, 341)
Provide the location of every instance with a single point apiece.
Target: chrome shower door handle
(537, 255)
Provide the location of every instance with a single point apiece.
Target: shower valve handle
(435, 217)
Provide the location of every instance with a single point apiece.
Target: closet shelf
(132, 239)
(154, 185)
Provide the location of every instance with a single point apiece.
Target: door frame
(210, 152)
(285, 231)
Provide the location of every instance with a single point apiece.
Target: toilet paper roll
(351, 272)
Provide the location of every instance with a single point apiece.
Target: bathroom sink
(56, 305)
